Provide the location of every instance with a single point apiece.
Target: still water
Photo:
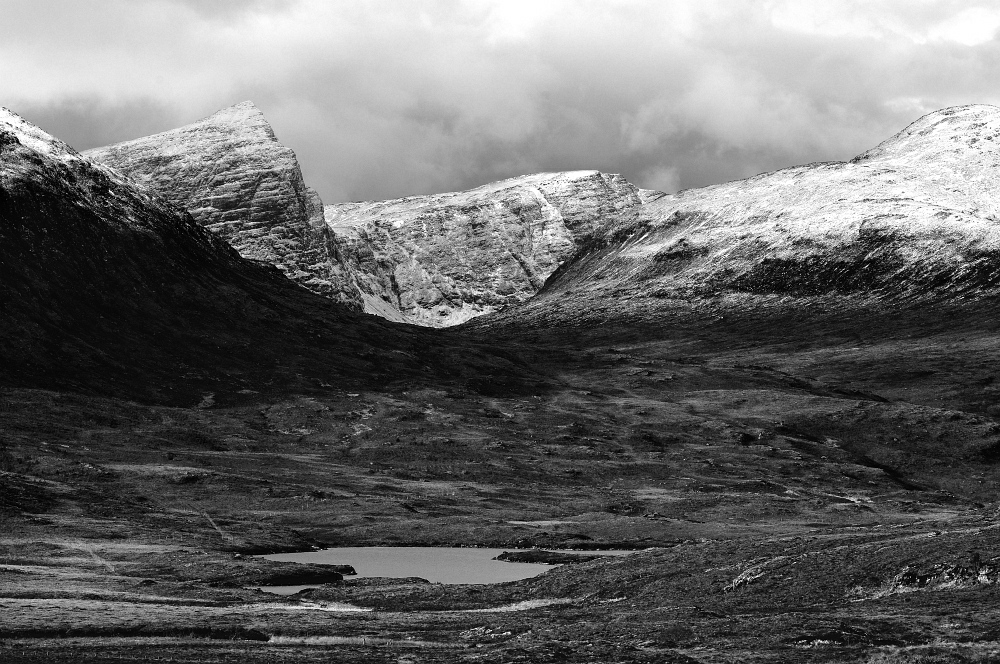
(434, 563)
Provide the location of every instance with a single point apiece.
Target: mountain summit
(914, 217)
(234, 177)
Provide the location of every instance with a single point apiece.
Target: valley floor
(825, 500)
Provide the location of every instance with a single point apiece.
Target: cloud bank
(382, 99)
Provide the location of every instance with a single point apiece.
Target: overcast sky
(387, 99)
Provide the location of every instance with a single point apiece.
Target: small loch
(436, 564)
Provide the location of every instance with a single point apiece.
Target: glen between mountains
(781, 391)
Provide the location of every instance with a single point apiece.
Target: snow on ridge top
(536, 177)
(530, 179)
(242, 120)
(237, 113)
(940, 131)
(34, 138)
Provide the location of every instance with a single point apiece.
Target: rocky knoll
(442, 259)
(106, 287)
(234, 177)
(915, 217)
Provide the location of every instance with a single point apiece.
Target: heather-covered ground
(825, 497)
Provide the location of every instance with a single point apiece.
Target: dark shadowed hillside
(106, 287)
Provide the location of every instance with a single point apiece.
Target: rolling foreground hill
(808, 463)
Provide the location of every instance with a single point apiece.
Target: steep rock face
(106, 287)
(442, 259)
(234, 177)
(915, 217)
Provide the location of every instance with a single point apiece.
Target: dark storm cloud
(383, 99)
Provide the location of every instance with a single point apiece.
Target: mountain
(434, 260)
(106, 287)
(234, 177)
(915, 218)
(912, 218)
(439, 260)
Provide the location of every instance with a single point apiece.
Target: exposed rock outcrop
(915, 217)
(234, 177)
(543, 557)
(442, 259)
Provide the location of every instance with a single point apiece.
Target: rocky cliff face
(915, 217)
(234, 177)
(440, 260)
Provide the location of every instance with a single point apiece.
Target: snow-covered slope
(915, 217)
(439, 260)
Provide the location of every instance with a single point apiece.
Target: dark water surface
(434, 563)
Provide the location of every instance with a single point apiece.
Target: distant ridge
(442, 259)
(430, 260)
(916, 217)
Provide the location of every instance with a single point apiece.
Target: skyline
(382, 100)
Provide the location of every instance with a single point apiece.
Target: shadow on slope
(107, 289)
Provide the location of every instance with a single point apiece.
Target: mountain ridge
(915, 217)
(373, 256)
(442, 259)
(910, 217)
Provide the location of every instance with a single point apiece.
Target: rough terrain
(811, 475)
(843, 516)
